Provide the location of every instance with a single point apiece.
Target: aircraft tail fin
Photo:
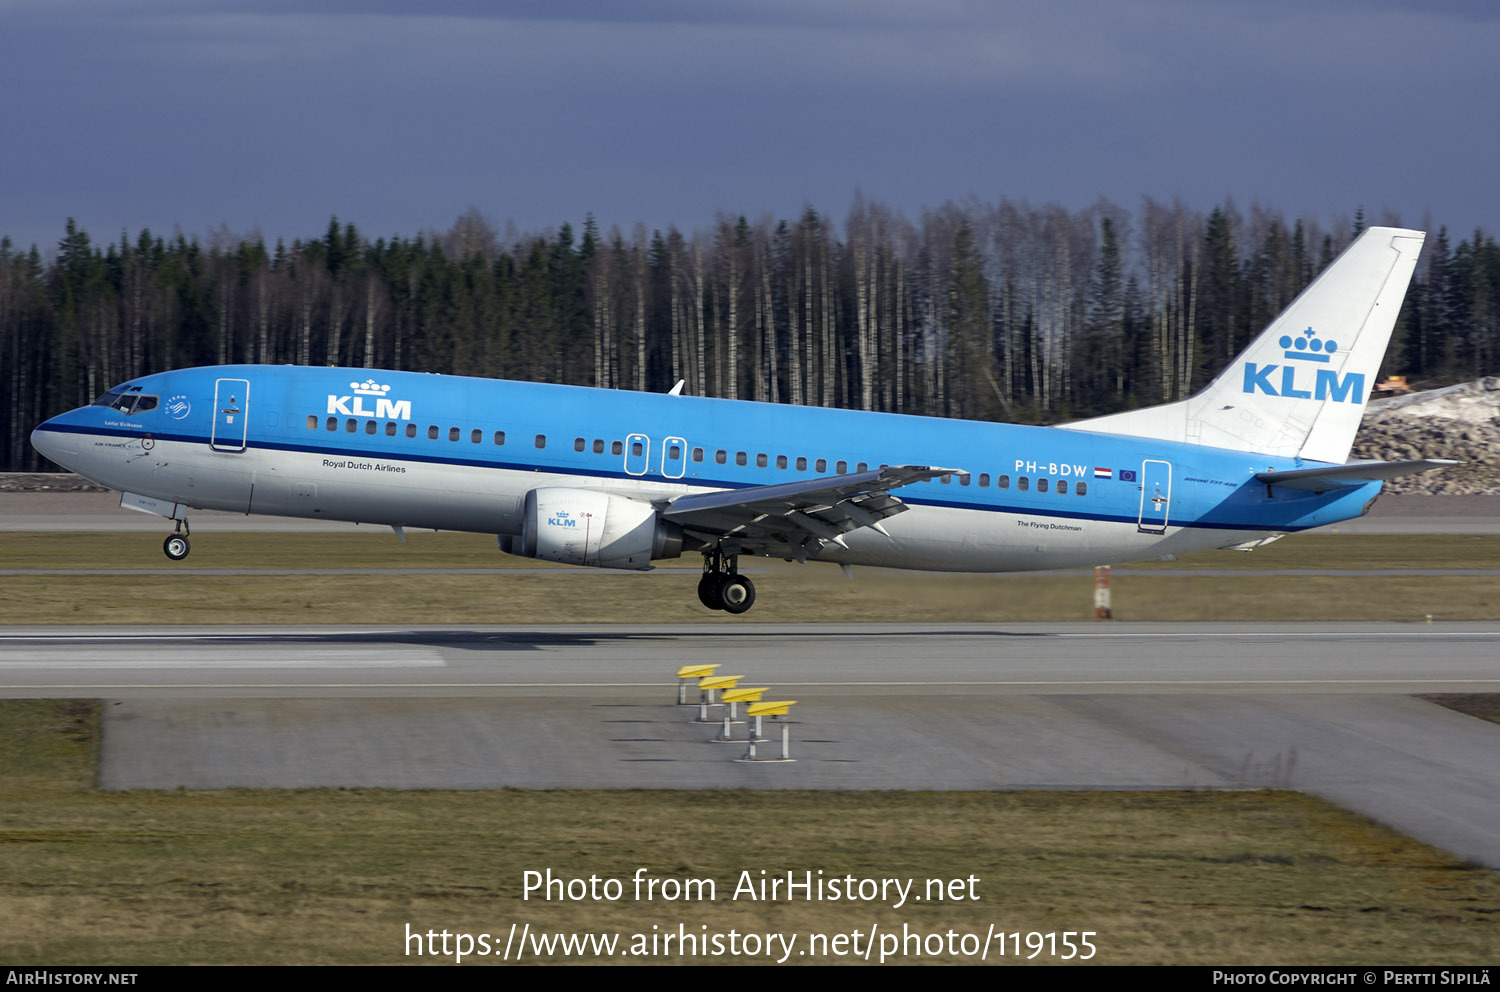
(1300, 387)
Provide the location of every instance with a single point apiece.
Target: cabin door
(231, 415)
(1156, 496)
(673, 457)
(637, 454)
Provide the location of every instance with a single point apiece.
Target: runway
(826, 659)
(1325, 708)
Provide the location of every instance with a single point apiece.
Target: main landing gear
(722, 587)
(176, 547)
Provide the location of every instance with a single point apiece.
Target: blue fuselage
(450, 452)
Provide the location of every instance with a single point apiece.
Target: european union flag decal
(1126, 475)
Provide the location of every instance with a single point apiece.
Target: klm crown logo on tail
(1322, 353)
(1327, 383)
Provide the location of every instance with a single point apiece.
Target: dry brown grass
(787, 592)
(1484, 705)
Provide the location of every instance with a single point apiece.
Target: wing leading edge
(799, 519)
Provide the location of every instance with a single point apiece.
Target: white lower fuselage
(386, 491)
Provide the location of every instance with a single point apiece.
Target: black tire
(708, 590)
(176, 547)
(737, 594)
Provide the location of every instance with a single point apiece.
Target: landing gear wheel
(708, 590)
(176, 547)
(736, 594)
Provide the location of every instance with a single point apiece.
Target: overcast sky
(399, 116)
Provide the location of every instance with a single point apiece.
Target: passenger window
(369, 427)
(390, 428)
(963, 480)
(453, 433)
(1041, 485)
(721, 456)
(760, 460)
(636, 450)
(333, 423)
(432, 432)
(351, 425)
(541, 440)
(946, 479)
(1002, 482)
(578, 444)
(499, 437)
(1022, 484)
(674, 452)
(476, 435)
(617, 448)
(984, 480)
(842, 468)
(1081, 489)
(739, 458)
(821, 466)
(312, 421)
(697, 454)
(802, 464)
(598, 446)
(862, 467)
(1062, 486)
(781, 461)
(411, 430)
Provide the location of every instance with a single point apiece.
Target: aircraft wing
(1353, 474)
(795, 519)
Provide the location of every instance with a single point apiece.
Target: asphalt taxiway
(1324, 708)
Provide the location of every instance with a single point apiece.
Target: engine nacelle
(583, 527)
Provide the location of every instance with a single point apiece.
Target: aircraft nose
(54, 444)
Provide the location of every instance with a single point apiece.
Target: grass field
(786, 592)
(336, 876)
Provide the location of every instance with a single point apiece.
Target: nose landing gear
(722, 587)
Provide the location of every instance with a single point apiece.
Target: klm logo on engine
(561, 519)
(1327, 384)
(354, 405)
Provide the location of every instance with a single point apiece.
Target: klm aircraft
(619, 479)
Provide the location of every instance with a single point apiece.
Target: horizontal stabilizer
(1353, 474)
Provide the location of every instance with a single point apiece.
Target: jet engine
(584, 527)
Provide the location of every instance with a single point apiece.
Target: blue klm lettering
(1328, 385)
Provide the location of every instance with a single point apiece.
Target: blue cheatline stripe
(603, 474)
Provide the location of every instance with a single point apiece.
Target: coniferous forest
(1001, 311)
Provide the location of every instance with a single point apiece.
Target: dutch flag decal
(1102, 473)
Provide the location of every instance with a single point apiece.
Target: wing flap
(800, 517)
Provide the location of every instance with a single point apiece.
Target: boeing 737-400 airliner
(618, 479)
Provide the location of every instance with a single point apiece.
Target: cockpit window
(126, 401)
